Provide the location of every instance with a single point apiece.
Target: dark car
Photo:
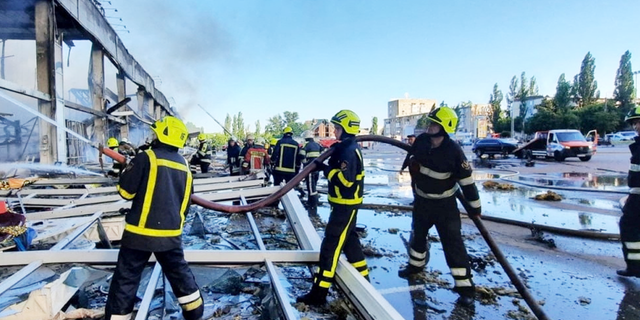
(493, 147)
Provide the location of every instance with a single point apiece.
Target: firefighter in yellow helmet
(345, 174)
(311, 151)
(286, 160)
(203, 156)
(630, 220)
(159, 184)
(116, 168)
(438, 168)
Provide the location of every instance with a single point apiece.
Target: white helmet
(308, 134)
(260, 141)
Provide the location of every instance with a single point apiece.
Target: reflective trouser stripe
(324, 284)
(417, 263)
(418, 259)
(463, 283)
(359, 264)
(633, 256)
(632, 245)
(459, 272)
(189, 298)
(417, 254)
(634, 167)
(121, 317)
(191, 301)
(634, 191)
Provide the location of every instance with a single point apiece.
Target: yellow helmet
(273, 141)
(171, 131)
(287, 129)
(112, 142)
(348, 120)
(445, 117)
(633, 114)
(201, 136)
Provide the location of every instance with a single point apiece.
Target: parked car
(617, 137)
(492, 147)
(628, 135)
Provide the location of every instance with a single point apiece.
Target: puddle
(617, 182)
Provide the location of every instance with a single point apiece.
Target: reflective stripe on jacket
(346, 174)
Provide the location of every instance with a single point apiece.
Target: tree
(523, 93)
(228, 125)
(587, 86)
(443, 104)
(374, 126)
(257, 132)
(290, 117)
(422, 122)
(234, 127)
(241, 128)
(623, 92)
(275, 126)
(595, 116)
(495, 100)
(512, 95)
(533, 87)
(562, 99)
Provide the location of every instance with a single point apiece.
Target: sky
(262, 58)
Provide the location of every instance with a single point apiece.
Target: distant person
(438, 169)
(116, 167)
(309, 152)
(203, 156)
(630, 220)
(345, 175)
(243, 152)
(257, 158)
(233, 157)
(159, 184)
(410, 140)
(286, 160)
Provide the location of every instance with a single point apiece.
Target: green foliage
(275, 126)
(624, 91)
(234, 127)
(241, 129)
(496, 112)
(533, 87)
(562, 99)
(443, 104)
(228, 125)
(586, 85)
(374, 126)
(596, 117)
(290, 117)
(504, 124)
(217, 139)
(258, 128)
(513, 92)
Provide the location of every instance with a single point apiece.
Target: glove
(320, 166)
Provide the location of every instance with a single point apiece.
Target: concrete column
(122, 94)
(158, 112)
(58, 100)
(96, 87)
(141, 100)
(45, 77)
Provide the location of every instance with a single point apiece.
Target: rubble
(493, 185)
(548, 196)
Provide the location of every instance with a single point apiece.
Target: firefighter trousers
(444, 214)
(126, 280)
(311, 181)
(340, 235)
(279, 177)
(204, 164)
(630, 238)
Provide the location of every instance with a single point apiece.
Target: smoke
(186, 44)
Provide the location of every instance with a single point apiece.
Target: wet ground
(573, 280)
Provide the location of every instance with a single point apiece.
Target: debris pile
(493, 185)
(548, 196)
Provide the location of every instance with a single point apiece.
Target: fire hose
(517, 282)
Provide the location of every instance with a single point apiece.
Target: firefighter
(630, 220)
(310, 152)
(286, 160)
(410, 140)
(112, 143)
(257, 157)
(233, 157)
(272, 145)
(203, 156)
(243, 152)
(345, 173)
(159, 183)
(438, 169)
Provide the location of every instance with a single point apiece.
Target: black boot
(409, 270)
(316, 297)
(466, 300)
(628, 273)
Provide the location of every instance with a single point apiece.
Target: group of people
(159, 183)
